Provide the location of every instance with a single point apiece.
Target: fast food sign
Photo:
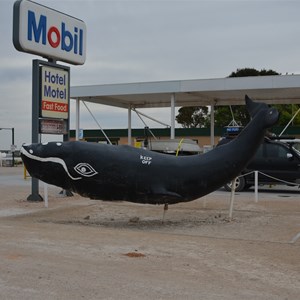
(54, 93)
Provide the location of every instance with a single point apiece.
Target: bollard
(232, 198)
(256, 186)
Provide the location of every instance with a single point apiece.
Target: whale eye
(85, 169)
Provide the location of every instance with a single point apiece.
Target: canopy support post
(212, 124)
(129, 125)
(173, 116)
(77, 119)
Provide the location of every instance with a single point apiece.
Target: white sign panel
(50, 126)
(54, 93)
(44, 31)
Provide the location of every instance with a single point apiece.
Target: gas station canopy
(277, 89)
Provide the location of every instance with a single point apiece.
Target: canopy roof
(277, 89)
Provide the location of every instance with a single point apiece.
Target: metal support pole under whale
(108, 172)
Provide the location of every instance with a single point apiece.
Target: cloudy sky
(152, 40)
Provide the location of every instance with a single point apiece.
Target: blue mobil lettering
(67, 40)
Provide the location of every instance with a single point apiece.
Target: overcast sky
(148, 40)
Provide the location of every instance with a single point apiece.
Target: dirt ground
(85, 249)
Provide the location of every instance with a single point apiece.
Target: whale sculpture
(109, 172)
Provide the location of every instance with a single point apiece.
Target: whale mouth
(27, 151)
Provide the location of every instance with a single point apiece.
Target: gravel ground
(85, 249)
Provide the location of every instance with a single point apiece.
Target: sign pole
(35, 196)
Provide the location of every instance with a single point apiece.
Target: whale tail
(253, 108)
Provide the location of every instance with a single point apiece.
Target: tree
(223, 114)
(287, 111)
(191, 117)
(198, 116)
(252, 72)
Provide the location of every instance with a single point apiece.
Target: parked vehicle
(278, 162)
(176, 147)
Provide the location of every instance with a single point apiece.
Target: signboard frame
(36, 100)
(37, 97)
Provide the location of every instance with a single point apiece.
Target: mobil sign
(40, 30)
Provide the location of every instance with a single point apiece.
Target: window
(275, 151)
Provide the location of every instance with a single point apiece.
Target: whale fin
(163, 192)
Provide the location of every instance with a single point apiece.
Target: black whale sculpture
(126, 173)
